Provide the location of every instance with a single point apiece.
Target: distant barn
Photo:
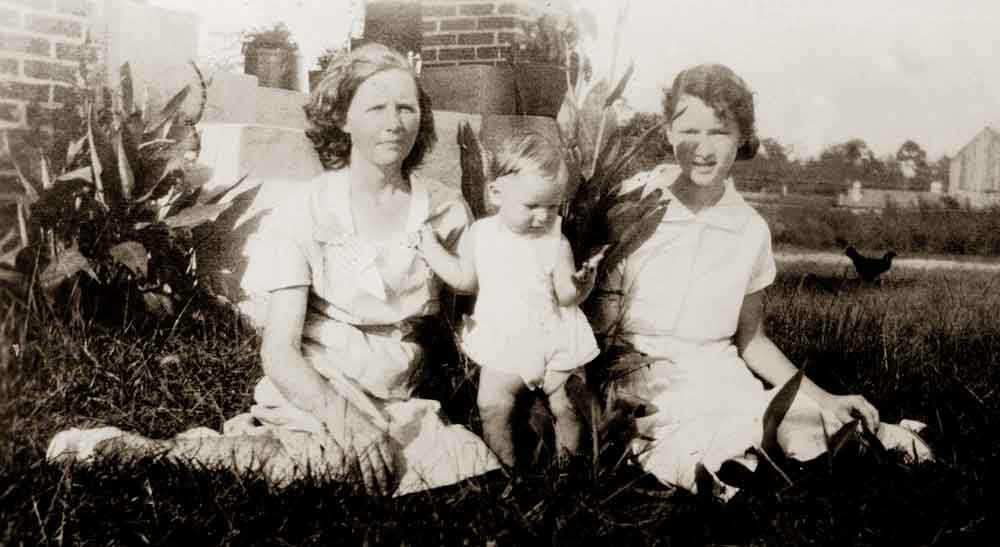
(974, 176)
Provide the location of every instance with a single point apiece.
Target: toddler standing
(526, 329)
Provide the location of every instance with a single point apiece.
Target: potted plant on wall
(325, 58)
(541, 56)
(531, 79)
(270, 54)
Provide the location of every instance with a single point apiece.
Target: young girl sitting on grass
(526, 329)
(692, 297)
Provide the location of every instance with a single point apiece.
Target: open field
(923, 344)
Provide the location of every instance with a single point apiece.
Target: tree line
(831, 172)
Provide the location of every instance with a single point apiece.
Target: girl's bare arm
(770, 363)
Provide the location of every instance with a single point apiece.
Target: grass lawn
(922, 345)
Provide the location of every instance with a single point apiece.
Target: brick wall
(474, 31)
(41, 43)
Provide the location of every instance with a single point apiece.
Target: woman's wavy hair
(720, 88)
(327, 107)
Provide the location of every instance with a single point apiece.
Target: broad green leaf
(169, 111)
(83, 173)
(616, 93)
(45, 172)
(607, 156)
(775, 413)
(204, 94)
(473, 169)
(125, 175)
(22, 224)
(125, 82)
(627, 156)
(195, 215)
(848, 435)
(221, 194)
(633, 237)
(95, 160)
(74, 148)
(589, 120)
(29, 189)
(133, 256)
(67, 264)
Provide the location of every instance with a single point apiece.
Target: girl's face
(704, 145)
(529, 203)
(384, 118)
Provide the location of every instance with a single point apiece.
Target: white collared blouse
(689, 279)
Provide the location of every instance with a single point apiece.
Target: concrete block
(274, 160)
(281, 107)
(442, 164)
(232, 98)
(156, 42)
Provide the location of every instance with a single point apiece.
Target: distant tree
(941, 169)
(769, 169)
(846, 162)
(913, 165)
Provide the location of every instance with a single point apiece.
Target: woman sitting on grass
(526, 330)
(346, 291)
(692, 297)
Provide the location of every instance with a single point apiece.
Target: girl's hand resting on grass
(841, 409)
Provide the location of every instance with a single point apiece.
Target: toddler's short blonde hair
(529, 152)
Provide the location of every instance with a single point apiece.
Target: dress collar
(337, 189)
(730, 213)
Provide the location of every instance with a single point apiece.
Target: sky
(822, 71)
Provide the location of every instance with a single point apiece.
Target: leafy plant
(544, 40)
(125, 220)
(277, 36)
(328, 55)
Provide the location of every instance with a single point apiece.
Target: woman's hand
(841, 409)
(369, 451)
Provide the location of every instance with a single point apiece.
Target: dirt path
(914, 263)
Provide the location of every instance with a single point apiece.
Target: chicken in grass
(869, 269)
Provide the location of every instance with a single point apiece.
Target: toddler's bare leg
(497, 391)
(567, 420)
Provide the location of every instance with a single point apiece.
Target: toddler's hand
(587, 274)
(426, 236)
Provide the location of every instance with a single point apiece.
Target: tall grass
(920, 345)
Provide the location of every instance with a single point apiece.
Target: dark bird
(870, 268)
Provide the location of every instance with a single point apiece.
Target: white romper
(517, 325)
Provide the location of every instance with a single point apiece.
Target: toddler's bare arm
(571, 286)
(458, 271)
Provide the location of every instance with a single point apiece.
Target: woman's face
(384, 118)
(704, 145)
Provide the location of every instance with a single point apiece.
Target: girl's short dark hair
(327, 107)
(720, 88)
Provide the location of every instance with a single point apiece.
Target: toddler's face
(529, 203)
(704, 145)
